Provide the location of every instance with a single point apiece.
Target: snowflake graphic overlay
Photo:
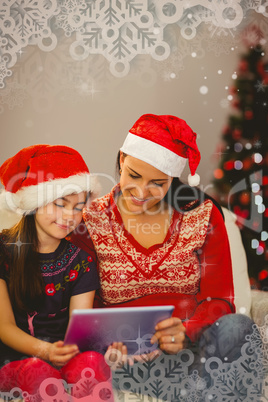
(170, 378)
(24, 23)
(115, 35)
(118, 30)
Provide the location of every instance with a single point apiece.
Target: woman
(159, 241)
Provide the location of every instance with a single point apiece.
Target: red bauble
(243, 65)
(237, 133)
(265, 180)
(236, 104)
(263, 72)
(218, 174)
(243, 213)
(248, 115)
(263, 275)
(253, 283)
(245, 198)
(229, 165)
(247, 163)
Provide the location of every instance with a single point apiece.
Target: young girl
(43, 277)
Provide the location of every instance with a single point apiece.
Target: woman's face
(142, 185)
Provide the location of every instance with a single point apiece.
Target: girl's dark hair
(181, 196)
(25, 282)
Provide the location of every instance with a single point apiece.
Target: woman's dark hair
(181, 196)
(25, 282)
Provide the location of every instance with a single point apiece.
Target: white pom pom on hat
(165, 142)
(194, 180)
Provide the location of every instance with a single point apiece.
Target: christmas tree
(240, 180)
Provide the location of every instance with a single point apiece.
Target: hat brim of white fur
(28, 199)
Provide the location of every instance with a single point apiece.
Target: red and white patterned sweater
(191, 269)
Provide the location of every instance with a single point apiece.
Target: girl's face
(142, 185)
(60, 217)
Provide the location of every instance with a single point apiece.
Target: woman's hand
(59, 354)
(170, 335)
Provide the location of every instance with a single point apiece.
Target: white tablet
(96, 329)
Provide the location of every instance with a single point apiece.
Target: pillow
(242, 288)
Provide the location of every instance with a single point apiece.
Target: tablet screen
(96, 329)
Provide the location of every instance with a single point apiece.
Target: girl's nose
(68, 214)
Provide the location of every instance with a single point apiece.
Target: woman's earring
(120, 171)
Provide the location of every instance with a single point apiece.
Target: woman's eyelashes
(158, 184)
(153, 182)
(134, 176)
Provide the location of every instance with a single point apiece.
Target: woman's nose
(143, 190)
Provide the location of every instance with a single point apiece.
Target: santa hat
(165, 142)
(39, 174)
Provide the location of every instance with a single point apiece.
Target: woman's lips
(138, 201)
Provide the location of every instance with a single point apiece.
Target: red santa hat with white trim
(39, 174)
(165, 142)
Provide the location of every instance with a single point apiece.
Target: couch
(253, 303)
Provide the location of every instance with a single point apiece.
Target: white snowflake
(257, 144)
(73, 15)
(260, 86)
(4, 71)
(24, 23)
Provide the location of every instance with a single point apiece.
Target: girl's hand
(59, 354)
(146, 357)
(170, 335)
(116, 355)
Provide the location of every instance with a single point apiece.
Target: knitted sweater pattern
(128, 271)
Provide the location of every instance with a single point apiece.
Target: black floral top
(68, 271)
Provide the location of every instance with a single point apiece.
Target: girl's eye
(158, 184)
(59, 205)
(78, 209)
